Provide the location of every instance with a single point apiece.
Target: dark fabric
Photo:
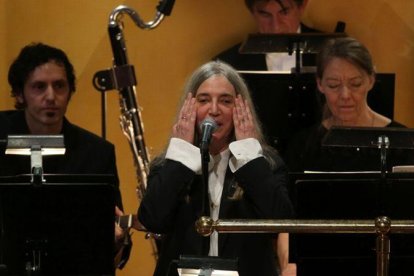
(305, 152)
(253, 62)
(172, 204)
(347, 254)
(86, 153)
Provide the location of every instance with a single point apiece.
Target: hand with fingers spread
(243, 121)
(184, 127)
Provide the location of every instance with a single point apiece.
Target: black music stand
(63, 227)
(350, 196)
(298, 44)
(368, 137)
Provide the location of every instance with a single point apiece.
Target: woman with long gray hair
(247, 178)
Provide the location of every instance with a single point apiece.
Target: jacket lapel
(225, 205)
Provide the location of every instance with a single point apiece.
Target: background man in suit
(271, 17)
(42, 81)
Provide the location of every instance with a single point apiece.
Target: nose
(50, 93)
(276, 25)
(345, 92)
(214, 109)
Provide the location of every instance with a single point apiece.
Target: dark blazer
(86, 153)
(254, 62)
(172, 204)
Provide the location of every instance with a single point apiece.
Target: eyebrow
(352, 78)
(224, 93)
(283, 7)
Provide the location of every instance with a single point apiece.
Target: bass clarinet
(122, 78)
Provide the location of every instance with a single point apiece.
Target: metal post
(383, 226)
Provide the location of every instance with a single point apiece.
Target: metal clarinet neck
(114, 17)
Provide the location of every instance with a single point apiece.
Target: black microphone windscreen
(208, 122)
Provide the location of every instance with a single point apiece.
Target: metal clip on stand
(36, 146)
(36, 164)
(383, 145)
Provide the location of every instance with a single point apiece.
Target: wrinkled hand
(243, 120)
(185, 126)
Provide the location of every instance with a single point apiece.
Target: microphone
(207, 127)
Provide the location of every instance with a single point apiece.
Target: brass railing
(380, 226)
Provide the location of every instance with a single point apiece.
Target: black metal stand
(46, 231)
(205, 159)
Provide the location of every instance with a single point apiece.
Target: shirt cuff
(185, 153)
(244, 151)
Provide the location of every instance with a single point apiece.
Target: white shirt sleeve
(185, 153)
(244, 151)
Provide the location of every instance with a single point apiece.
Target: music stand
(291, 43)
(350, 196)
(63, 227)
(206, 266)
(368, 137)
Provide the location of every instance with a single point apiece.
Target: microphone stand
(205, 159)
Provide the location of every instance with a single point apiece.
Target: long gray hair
(219, 68)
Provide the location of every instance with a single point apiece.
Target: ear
(20, 98)
(319, 84)
(371, 80)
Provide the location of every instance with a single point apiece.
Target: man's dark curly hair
(250, 3)
(32, 56)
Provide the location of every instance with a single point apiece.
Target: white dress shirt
(281, 62)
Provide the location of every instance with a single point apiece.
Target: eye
(284, 11)
(333, 85)
(202, 99)
(356, 84)
(227, 100)
(38, 86)
(60, 85)
(264, 14)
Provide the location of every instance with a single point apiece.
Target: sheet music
(205, 272)
(262, 72)
(403, 169)
(344, 172)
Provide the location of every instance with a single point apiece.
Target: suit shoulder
(85, 137)
(229, 53)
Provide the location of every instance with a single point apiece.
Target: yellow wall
(164, 57)
(3, 65)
